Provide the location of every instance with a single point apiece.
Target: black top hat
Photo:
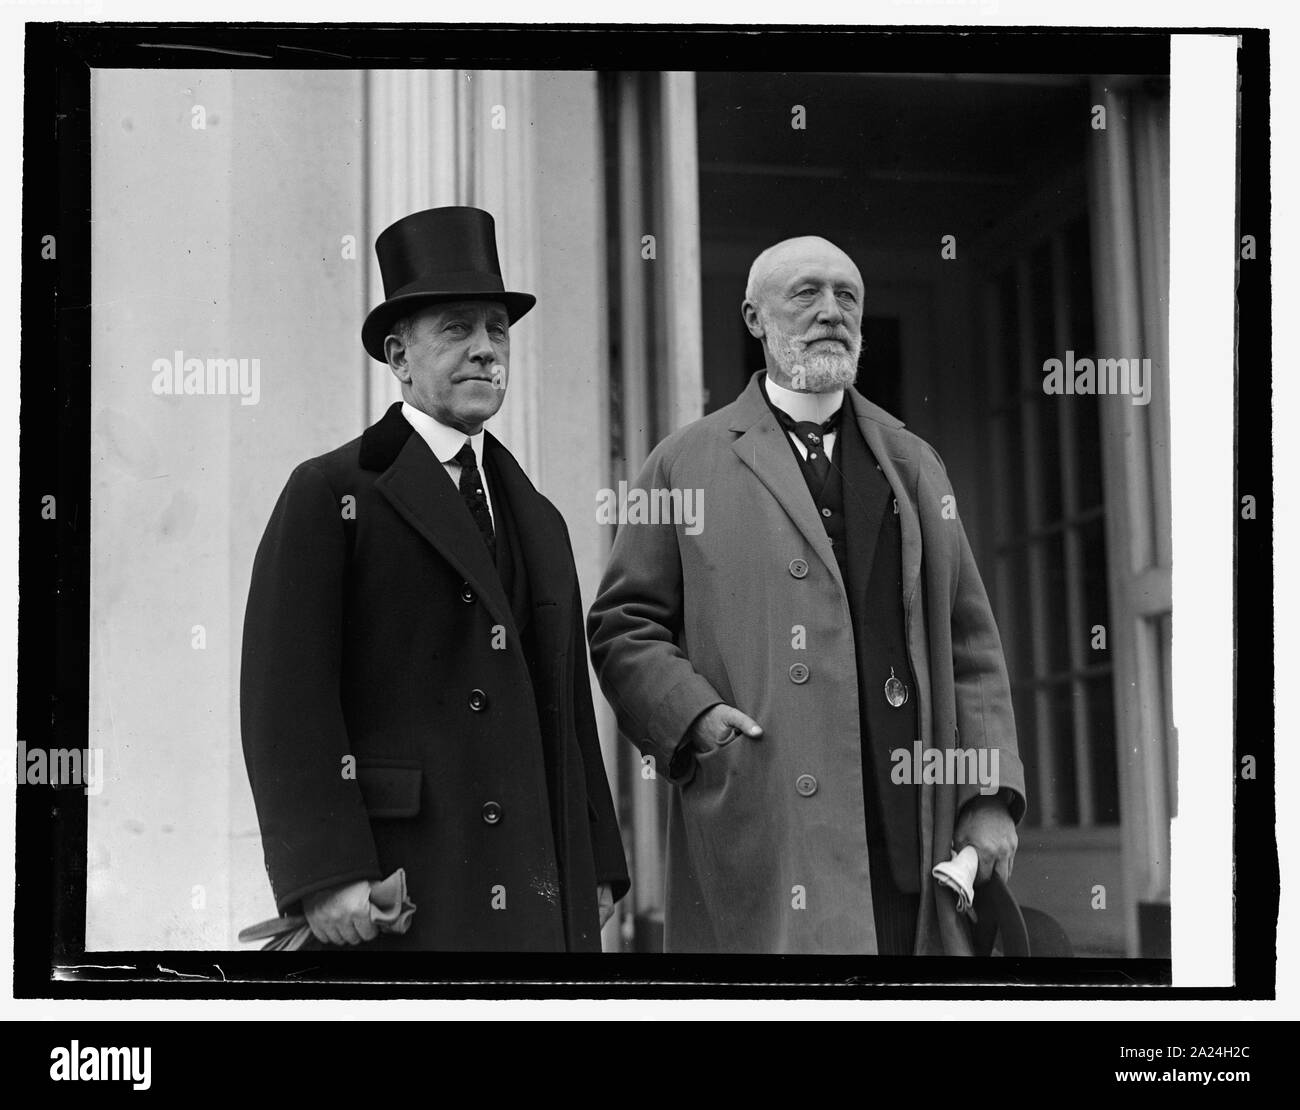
(440, 254)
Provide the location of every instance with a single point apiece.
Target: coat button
(799, 568)
(478, 700)
(806, 785)
(798, 673)
(492, 813)
(826, 512)
(466, 594)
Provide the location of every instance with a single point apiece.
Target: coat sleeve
(315, 830)
(984, 711)
(634, 627)
(606, 840)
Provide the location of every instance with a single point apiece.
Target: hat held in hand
(434, 256)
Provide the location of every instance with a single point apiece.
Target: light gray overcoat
(682, 622)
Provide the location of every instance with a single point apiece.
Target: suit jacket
(389, 714)
(766, 839)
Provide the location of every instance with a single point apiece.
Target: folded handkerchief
(390, 910)
(958, 875)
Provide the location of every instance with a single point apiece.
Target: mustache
(839, 337)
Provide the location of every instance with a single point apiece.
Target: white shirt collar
(816, 407)
(443, 441)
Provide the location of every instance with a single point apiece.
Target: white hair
(404, 328)
(759, 267)
(757, 270)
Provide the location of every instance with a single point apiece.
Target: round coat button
(466, 594)
(799, 568)
(826, 512)
(492, 813)
(798, 673)
(478, 700)
(806, 785)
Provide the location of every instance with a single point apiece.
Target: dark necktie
(471, 489)
(812, 435)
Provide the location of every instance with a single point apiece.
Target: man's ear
(395, 352)
(749, 311)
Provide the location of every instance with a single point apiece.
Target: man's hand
(341, 915)
(714, 725)
(986, 826)
(605, 902)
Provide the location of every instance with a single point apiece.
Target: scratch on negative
(547, 888)
(201, 49)
(184, 974)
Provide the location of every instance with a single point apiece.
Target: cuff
(674, 717)
(290, 902)
(1011, 798)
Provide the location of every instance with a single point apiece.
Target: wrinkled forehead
(814, 260)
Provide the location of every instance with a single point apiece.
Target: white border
(1191, 13)
(1202, 221)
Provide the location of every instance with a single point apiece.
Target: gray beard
(823, 371)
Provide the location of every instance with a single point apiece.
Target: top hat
(440, 254)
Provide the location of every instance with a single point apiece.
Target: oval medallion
(895, 691)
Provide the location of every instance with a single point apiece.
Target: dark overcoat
(389, 714)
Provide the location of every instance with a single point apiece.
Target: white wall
(227, 242)
(219, 242)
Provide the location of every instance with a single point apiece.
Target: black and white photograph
(787, 399)
(690, 518)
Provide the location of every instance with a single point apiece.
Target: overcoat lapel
(763, 448)
(540, 536)
(419, 488)
(878, 429)
(865, 505)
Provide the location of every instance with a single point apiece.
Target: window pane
(1078, 263)
(1056, 628)
(1010, 323)
(1103, 753)
(881, 374)
(1026, 738)
(1042, 337)
(1087, 463)
(1096, 600)
(1049, 458)
(1043, 345)
(1013, 466)
(1015, 624)
(1065, 780)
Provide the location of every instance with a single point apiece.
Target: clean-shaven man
(414, 690)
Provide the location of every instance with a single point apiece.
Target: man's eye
(845, 295)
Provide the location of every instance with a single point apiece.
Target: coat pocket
(390, 788)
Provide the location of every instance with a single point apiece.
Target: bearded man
(824, 614)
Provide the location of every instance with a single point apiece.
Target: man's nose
(480, 346)
(828, 309)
